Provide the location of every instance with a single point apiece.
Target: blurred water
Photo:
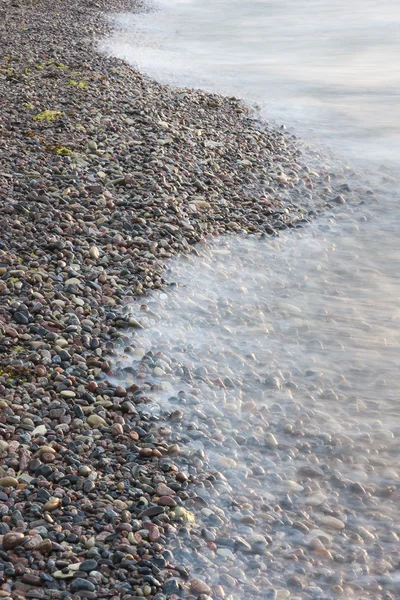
(328, 68)
(274, 365)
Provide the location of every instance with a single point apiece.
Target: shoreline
(105, 175)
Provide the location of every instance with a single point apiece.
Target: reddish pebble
(12, 540)
(92, 386)
(166, 501)
(164, 490)
(154, 533)
(11, 332)
(199, 587)
(47, 457)
(147, 452)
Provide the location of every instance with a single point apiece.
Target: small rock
(164, 490)
(67, 393)
(166, 501)
(158, 372)
(21, 318)
(310, 471)
(32, 541)
(88, 565)
(339, 199)
(94, 252)
(154, 533)
(12, 540)
(332, 522)
(85, 470)
(95, 189)
(117, 429)
(96, 421)
(199, 587)
(8, 482)
(25, 478)
(45, 450)
(72, 281)
(52, 504)
(316, 500)
(62, 575)
(44, 547)
(146, 590)
(171, 586)
(92, 386)
(270, 440)
(153, 511)
(39, 430)
(31, 579)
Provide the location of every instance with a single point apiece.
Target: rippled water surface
(329, 68)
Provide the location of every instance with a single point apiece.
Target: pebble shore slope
(103, 176)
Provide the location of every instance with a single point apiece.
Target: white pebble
(332, 522)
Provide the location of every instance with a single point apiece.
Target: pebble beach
(105, 175)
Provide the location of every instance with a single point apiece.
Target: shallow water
(269, 356)
(328, 68)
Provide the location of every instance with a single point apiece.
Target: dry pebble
(8, 482)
